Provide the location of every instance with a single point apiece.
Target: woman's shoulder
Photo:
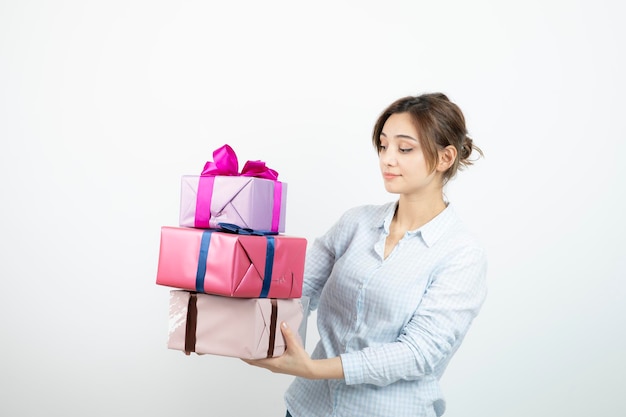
(357, 219)
(368, 213)
(458, 237)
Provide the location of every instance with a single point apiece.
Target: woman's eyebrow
(400, 136)
(406, 137)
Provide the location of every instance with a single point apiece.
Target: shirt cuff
(352, 367)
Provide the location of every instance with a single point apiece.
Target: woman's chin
(392, 190)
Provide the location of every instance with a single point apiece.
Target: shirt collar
(431, 232)
(385, 219)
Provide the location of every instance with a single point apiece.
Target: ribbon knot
(233, 228)
(225, 163)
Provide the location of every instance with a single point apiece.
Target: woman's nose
(388, 158)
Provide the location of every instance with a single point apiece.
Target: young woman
(396, 286)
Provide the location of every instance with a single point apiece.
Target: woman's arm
(438, 326)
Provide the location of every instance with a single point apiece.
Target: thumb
(290, 337)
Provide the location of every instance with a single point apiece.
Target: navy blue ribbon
(269, 266)
(204, 252)
(233, 228)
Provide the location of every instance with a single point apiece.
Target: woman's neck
(413, 212)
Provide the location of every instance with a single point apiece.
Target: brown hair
(439, 123)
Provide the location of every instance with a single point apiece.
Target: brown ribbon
(191, 325)
(273, 319)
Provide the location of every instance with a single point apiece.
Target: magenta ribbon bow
(225, 163)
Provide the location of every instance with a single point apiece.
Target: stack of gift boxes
(236, 275)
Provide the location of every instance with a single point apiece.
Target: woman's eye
(382, 147)
(406, 150)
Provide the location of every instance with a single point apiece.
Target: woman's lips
(389, 176)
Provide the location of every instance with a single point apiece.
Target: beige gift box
(247, 328)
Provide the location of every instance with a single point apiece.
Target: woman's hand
(296, 361)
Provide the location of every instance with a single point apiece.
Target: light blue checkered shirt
(395, 322)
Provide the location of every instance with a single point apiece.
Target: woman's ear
(447, 156)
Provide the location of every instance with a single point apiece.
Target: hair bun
(466, 151)
(466, 148)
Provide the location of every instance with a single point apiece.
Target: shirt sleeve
(321, 257)
(451, 301)
(319, 261)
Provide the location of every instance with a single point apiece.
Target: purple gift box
(251, 199)
(248, 202)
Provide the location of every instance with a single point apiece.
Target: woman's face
(402, 162)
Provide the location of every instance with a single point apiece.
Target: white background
(104, 105)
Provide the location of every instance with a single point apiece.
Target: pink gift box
(248, 202)
(232, 265)
(247, 328)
